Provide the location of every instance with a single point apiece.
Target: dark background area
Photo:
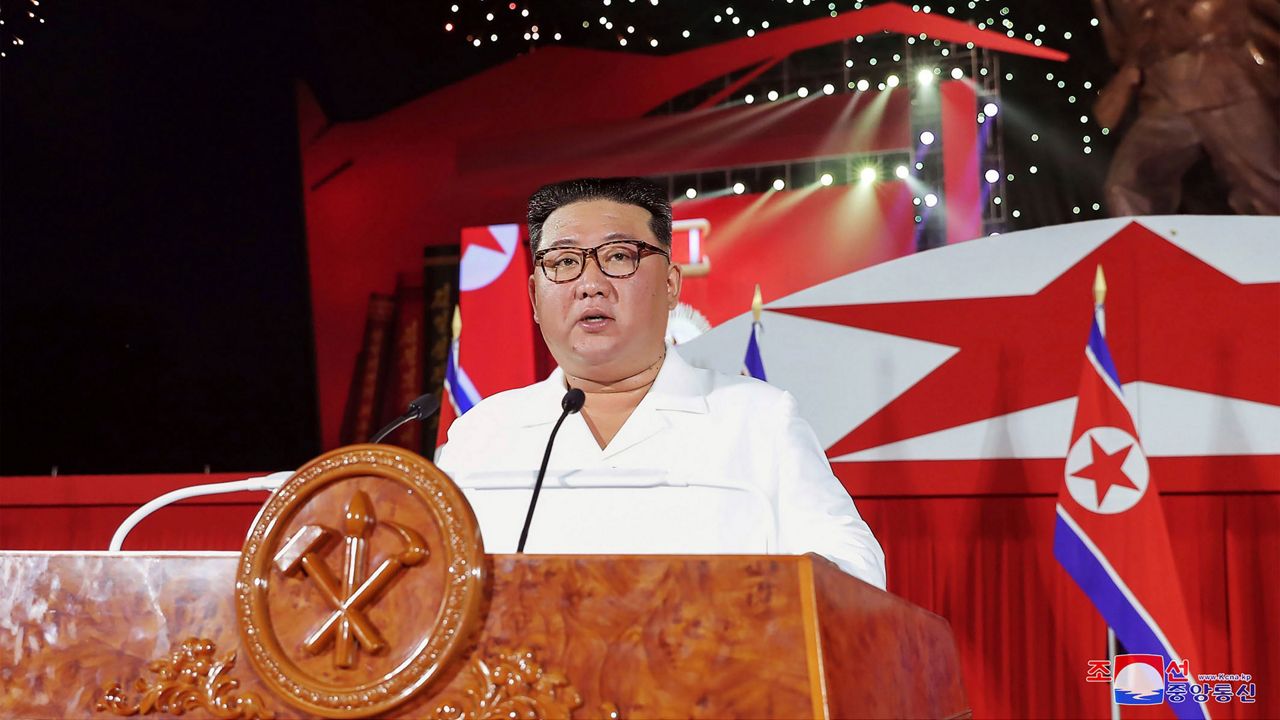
(153, 294)
(153, 279)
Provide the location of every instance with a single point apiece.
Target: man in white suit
(663, 458)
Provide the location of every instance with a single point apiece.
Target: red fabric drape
(1026, 632)
(984, 562)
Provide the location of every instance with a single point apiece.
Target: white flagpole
(1111, 655)
(1100, 315)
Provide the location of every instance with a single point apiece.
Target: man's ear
(675, 277)
(533, 301)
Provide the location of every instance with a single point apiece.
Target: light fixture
(930, 200)
(867, 174)
(826, 179)
(926, 138)
(778, 184)
(691, 193)
(739, 188)
(901, 171)
(925, 77)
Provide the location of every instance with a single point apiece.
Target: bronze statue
(1206, 80)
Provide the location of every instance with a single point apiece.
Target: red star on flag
(1106, 471)
(1019, 352)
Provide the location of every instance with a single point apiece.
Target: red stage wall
(788, 241)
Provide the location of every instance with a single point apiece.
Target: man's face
(599, 327)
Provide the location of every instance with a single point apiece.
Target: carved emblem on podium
(361, 582)
(304, 553)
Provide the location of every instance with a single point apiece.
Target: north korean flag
(493, 349)
(1111, 534)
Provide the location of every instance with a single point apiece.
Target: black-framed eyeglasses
(616, 258)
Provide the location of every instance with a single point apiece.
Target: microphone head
(425, 406)
(573, 400)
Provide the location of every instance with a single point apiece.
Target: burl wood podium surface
(363, 590)
(653, 637)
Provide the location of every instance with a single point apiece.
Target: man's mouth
(594, 320)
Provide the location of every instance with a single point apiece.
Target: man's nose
(593, 281)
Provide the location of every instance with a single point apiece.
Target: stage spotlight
(925, 77)
(826, 179)
(803, 92)
(749, 98)
(956, 73)
(779, 184)
(926, 138)
(773, 95)
(863, 85)
(892, 81)
(867, 174)
(901, 171)
(993, 176)
(930, 200)
(691, 193)
(828, 89)
(990, 109)
(739, 188)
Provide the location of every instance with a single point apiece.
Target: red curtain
(984, 562)
(1026, 632)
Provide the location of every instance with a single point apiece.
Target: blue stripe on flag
(1120, 614)
(753, 361)
(458, 384)
(1098, 344)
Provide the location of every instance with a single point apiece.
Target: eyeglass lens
(615, 260)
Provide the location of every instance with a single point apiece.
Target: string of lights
(1041, 133)
(19, 20)
(1046, 158)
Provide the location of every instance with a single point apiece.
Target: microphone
(572, 403)
(421, 409)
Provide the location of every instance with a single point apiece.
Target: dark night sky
(153, 290)
(154, 312)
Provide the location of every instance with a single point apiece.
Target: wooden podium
(362, 626)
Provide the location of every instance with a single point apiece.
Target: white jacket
(707, 464)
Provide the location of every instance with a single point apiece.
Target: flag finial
(1099, 287)
(757, 305)
(457, 322)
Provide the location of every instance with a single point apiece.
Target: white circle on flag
(482, 265)
(1106, 471)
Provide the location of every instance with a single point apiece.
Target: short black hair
(636, 191)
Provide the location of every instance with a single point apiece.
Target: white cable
(265, 482)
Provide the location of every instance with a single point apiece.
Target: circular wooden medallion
(361, 582)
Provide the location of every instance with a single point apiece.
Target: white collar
(679, 386)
